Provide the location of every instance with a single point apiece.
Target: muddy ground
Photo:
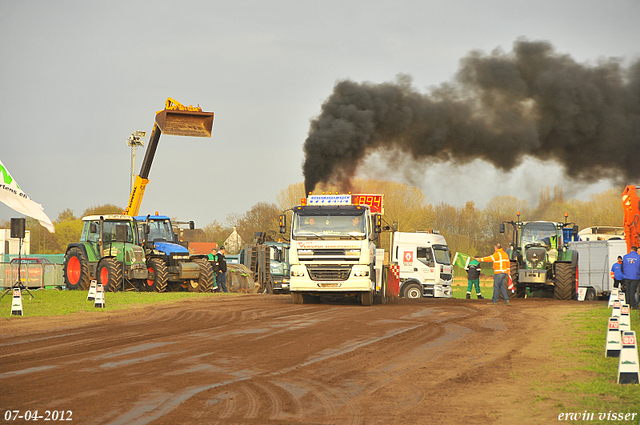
(259, 359)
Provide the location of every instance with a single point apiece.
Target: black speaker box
(17, 228)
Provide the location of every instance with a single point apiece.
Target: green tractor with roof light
(108, 252)
(541, 258)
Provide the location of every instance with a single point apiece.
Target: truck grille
(329, 272)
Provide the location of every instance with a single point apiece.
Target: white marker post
(614, 340)
(628, 372)
(92, 291)
(613, 296)
(624, 319)
(16, 303)
(622, 297)
(615, 312)
(100, 301)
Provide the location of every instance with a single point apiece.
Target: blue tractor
(170, 266)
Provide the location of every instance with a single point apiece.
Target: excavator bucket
(185, 123)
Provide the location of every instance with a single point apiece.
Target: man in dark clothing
(631, 272)
(221, 270)
(473, 276)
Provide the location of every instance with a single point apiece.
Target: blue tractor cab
(171, 267)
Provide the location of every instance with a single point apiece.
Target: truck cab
(332, 250)
(424, 263)
(279, 265)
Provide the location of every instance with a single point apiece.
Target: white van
(425, 264)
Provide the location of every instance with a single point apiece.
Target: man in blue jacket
(616, 273)
(631, 272)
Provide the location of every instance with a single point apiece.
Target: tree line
(467, 228)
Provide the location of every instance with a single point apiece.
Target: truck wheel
(565, 284)
(158, 276)
(110, 274)
(366, 298)
(205, 280)
(296, 298)
(413, 291)
(76, 270)
(381, 298)
(590, 295)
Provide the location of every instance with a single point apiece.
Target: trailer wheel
(590, 295)
(565, 284)
(205, 280)
(110, 274)
(296, 298)
(76, 270)
(158, 276)
(413, 291)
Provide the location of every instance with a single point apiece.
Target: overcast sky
(77, 77)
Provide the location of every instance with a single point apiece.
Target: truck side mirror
(377, 227)
(575, 230)
(283, 223)
(192, 225)
(501, 227)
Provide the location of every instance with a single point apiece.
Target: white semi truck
(424, 263)
(332, 250)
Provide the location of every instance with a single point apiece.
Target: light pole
(135, 140)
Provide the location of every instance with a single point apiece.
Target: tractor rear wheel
(565, 284)
(110, 274)
(205, 280)
(158, 276)
(76, 269)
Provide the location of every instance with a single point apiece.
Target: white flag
(15, 198)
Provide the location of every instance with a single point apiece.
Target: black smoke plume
(502, 108)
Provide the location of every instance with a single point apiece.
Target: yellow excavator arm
(176, 120)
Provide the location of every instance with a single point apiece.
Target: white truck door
(424, 264)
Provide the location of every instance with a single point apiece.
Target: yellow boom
(174, 120)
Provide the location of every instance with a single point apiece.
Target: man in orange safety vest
(501, 266)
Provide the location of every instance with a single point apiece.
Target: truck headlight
(361, 273)
(305, 252)
(297, 273)
(355, 252)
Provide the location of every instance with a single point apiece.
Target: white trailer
(425, 264)
(10, 246)
(595, 259)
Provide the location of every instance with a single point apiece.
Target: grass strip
(59, 303)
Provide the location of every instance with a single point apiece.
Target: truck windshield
(442, 254)
(539, 233)
(160, 231)
(329, 226)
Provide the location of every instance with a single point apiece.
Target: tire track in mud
(259, 360)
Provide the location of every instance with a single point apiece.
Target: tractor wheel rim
(151, 281)
(104, 277)
(73, 270)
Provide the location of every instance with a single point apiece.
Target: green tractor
(540, 257)
(99, 254)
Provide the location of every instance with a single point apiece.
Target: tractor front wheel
(565, 284)
(110, 274)
(158, 275)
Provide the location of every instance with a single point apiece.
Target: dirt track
(259, 359)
